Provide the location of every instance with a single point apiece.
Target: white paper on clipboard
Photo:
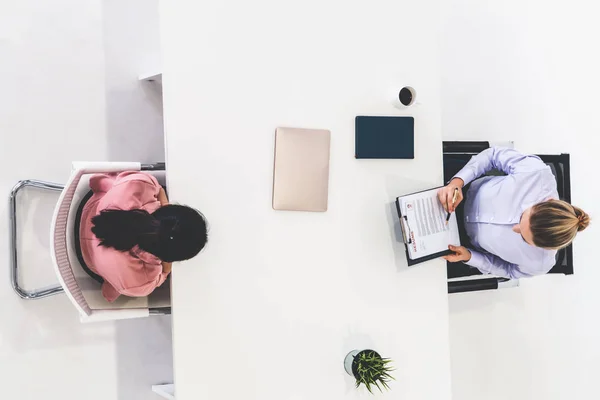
(424, 224)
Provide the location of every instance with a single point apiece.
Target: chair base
(14, 256)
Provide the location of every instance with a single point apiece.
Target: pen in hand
(454, 197)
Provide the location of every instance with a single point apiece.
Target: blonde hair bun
(583, 217)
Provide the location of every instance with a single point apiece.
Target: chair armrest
(114, 315)
(105, 167)
(474, 285)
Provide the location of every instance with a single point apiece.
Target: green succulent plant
(370, 369)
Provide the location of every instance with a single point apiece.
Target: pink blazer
(133, 273)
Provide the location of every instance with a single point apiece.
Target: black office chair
(456, 155)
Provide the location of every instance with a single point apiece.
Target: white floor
(70, 92)
(524, 70)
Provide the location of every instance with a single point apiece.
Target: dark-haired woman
(130, 234)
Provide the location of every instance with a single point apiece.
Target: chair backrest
(90, 287)
(561, 168)
(61, 250)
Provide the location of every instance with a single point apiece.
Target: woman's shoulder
(126, 269)
(108, 259)
(132, 190)
(548, 260)
(144, 256)
(538, 261)
(530, 188)
(549, 184)
(108, 256)
(102, 183)
(135, 176)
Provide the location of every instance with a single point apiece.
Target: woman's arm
(490, 264)
(508, 161)
(167, 267)
(146, 288)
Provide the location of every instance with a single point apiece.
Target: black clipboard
(406, 240)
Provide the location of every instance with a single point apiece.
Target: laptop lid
(301, 172)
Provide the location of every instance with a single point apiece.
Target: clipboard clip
(405, 234)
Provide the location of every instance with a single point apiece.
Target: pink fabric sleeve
(109, 292)
(145, 289)
(137, 278)
(135, 190)
(101, 183)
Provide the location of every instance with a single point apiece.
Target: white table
(271, 307)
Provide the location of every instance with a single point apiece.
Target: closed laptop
(301, 172)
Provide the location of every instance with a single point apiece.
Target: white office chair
(82, 289)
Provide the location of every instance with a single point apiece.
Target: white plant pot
(349, 360)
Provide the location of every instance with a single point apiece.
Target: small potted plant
(369, 369)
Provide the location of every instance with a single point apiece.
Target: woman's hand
(459, 254)
(166, 267)
(162, 197)
(446, 194)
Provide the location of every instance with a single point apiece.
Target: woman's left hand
(459, 254)
(162, 197)
(167, 266)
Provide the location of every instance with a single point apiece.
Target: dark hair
(554, 223)
(171, 233)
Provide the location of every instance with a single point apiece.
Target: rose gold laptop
(301, 173)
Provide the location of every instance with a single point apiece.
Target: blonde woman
(515, 223)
